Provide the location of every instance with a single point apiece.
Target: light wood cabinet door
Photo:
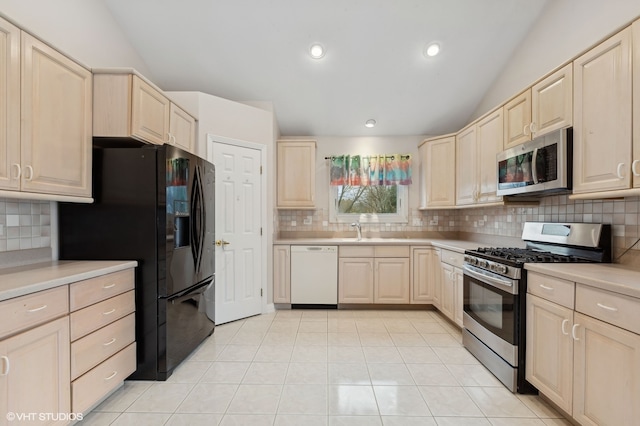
(517, 120)
(447, 290)
(458, 297)
(602, 116)
(549, 353)
(182, 128)
(281, 274)
(636, 104)
(437, 283)
(56, 122)
(607, 374)
(36, 367)
(552, 102)
(149, 112)
(296, 175)
(9, 106)
(355, 280)
(391, 280)
(438, 173)
(424, 265)
(489, 139)
(466, 167)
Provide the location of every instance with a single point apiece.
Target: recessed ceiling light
(316, 51)
(370, 123)
(431, 49)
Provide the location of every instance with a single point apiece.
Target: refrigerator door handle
(197, 225)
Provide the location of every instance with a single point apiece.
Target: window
(368, 204)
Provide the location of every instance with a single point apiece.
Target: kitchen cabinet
(296, 174)
(602, 117)
(9, 106)
(127, 106)
(281, 274)
(438, 172)
(182, 129)
(635, 164)
(373, 274)
(583, 351)
(425, 274)
(451, 279)
(34, 354)
(517, 120)
(47, 108)
(476, 150)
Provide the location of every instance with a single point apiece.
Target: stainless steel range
(495, 288)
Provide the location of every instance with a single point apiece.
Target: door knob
(222, 243)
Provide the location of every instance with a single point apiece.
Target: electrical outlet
(434, 221)
(294, 223)
(417, 221)
(307, 221)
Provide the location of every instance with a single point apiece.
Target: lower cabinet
(374, 274)
(34, 372)
(281, 274)
(450, 297)
(425, 274)
(576, 357)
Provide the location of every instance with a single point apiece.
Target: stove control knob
(501, 269)
(483, 263)
(471, 260)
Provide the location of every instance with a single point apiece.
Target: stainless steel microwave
(543, 165)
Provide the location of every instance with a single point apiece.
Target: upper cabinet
(438, 173)
(125, 105)
(296, 181)
(476, 148)
(602, 116)
(46, 139)
(635, 165)
(545, 107)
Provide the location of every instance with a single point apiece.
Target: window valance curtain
(371, 170)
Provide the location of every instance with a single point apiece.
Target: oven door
(491, 301)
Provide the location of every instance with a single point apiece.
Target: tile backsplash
(24, 224)
(506, 221)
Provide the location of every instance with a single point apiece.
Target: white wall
(565, 29)
(82, 29)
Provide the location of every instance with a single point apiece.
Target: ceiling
(374, 67)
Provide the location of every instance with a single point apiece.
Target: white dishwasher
(314, 275)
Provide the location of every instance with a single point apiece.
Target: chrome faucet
(358, 229)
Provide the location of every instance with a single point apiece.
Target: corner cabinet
(602, 117)
(296, 174)
(281, 274)
(46, 107)
(438, 173)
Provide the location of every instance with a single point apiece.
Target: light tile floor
(335, 367)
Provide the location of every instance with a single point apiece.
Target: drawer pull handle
(7, 365)
(109, 312)
(608, 308)
(546, 287)
(565, 322)
(573, 331)
(110, 342)
(114, 374)
(37, 309)
(106, 287)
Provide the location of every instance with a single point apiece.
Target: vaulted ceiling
(374, 66)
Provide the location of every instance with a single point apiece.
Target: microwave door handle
(534, 170)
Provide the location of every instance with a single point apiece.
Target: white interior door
(238, 215)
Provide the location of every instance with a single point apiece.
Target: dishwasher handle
(314, 249)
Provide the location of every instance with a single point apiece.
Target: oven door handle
(493, 280)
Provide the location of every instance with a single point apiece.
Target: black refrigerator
(153, 204)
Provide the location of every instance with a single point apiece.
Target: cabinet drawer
(89, 388)
(27, 311)
(96, 316)
(356, 251)
(392, 251)
(88, 292)
(551, 288)
(94, 348)
(614, 308)
(452, 258)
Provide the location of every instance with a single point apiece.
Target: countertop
(22, 280)
(454, 245)
(608, 276)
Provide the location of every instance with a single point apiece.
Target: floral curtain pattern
(371, 170)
